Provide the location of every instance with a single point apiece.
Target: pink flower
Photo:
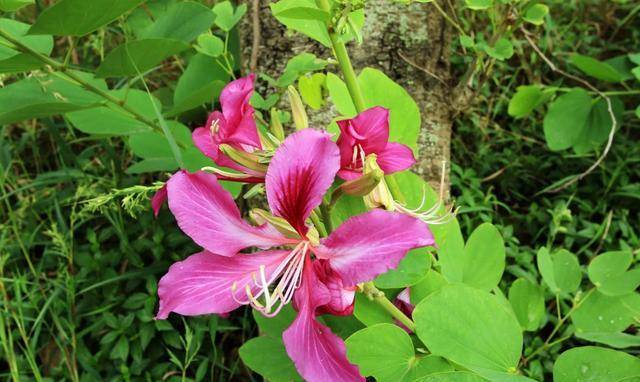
(319, 277)
(233, 126)
(368, 133)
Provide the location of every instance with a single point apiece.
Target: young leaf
(536, 13)
(527, 302)
(311, 89)
(591, 363)
(138, 56)
(226, 17)
(470, 327)
(300, 65)
(566, 118)
(80, 17)
(484, 258)
(596, 69)
(385, 351)
(268, 357)
(183, 21)
(608, 272)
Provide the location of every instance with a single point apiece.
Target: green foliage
(595, 364)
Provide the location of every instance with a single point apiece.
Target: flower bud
(276, 126)
(364, 184)
(300, 118)
(380, 196)
(260, 216)
(243, 158)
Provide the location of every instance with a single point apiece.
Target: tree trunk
(408, 43)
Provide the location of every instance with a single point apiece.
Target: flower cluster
(293, 264)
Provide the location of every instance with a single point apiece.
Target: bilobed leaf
(609, 273)
(484, 258)
(598, 126)
(14, 5)
(595, 68)
(385, 351)
(267, 356)
(183, 21)
(410, 271)
(591, 363)
(527, 302)
(605, 314)
(226, 16)
(138, 56)
(311, 89)
(79, 17)
(477, 5)
(526, 100)
(37, 97)
(210, 45)
(536, 13)
(566, 118)
(502, 50)
(560, 270)
(470, 327)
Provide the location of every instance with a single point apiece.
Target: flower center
(215, 126)
(357, 158)
(289, 276)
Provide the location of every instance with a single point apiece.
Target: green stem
(381, 299)
(88, 86)
(340, 51)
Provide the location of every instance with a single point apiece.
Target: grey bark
(408, 43)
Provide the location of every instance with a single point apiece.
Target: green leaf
(311, 89)
(226, 17)
(201, 82)
(369, 312)
(305, 13)
(502, 50)
(138, 56)
(478, 5)
(608, 272)
(470, 327)
(431, 283)
(121, 349)
(267, 357)
(154, 144)
(14, 5)
(183, 21)
(274, 326)
(410, 271)
(598, 126)
(616, 340)
(210, 45)
(153, 165)
(590, 363)
(484, 256)
(12, 60)
(385, 351)
(37, 97)
(527, 99)
(467, 41)
(596, 69)
(527, 302)
(606, 314)
(536, 14)
(299, 65)
(80, 17)
(566, 118)
(561, 270)
(111, 120)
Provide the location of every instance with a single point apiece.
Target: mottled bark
(408, 43)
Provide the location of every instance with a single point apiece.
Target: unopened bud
(380, 196)
(243, 158)
(260, 216)
(364, 184)
(300, 119)
(276, 125)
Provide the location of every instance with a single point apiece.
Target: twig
(614, 122)
(427, 71)
(255, 43)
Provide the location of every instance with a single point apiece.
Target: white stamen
(215, 124)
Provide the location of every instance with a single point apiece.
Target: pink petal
(395, 157)
(240, 127)
(369, 244)
(300, 172)
(207, 213)
(370, 129)
(341, 297)
(202, 283)
(158, 199)
(319, 355)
